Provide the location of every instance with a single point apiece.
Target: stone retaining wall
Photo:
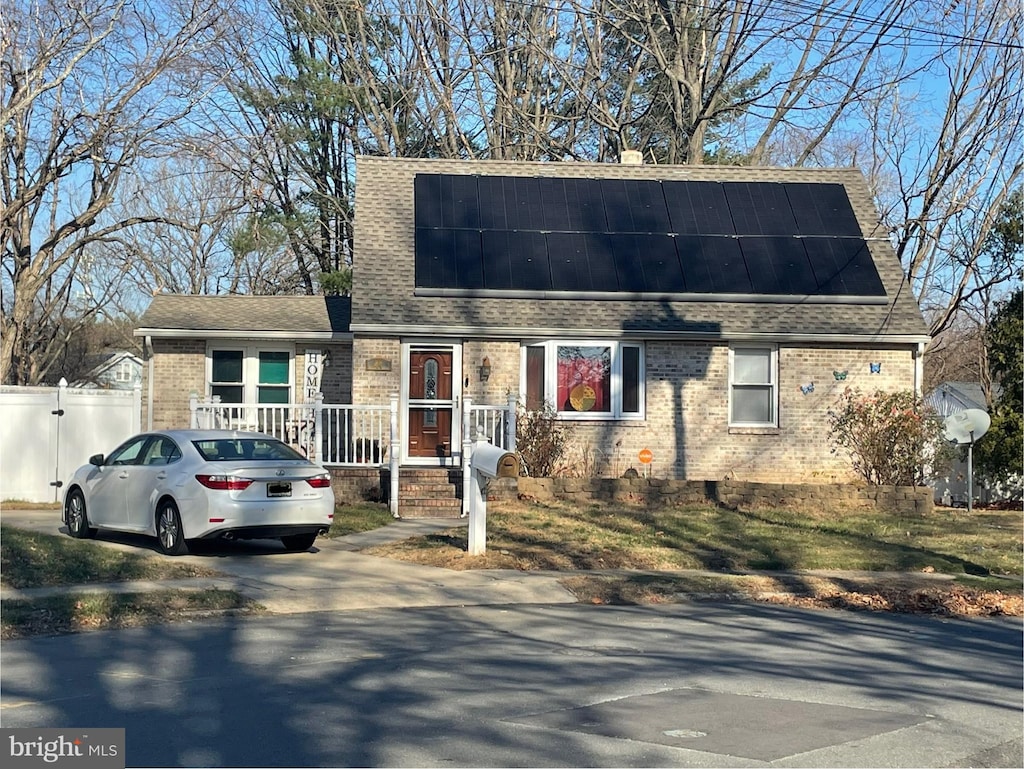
(658, 492)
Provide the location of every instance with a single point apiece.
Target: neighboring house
(710, 315)
(951, 488)
(119, 370)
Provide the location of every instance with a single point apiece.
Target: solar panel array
(525, 234)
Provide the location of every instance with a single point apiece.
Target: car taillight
(320, 481)
(224, 482)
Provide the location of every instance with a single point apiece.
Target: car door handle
(124, 474)
(162, 475)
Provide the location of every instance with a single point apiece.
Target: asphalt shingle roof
(384, 292)
(294, 314)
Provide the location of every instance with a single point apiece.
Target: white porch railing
(333, 435)
(349, 435)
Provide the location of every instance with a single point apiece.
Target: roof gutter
(507, 332)
(219, 333)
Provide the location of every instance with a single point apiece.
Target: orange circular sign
(646, 456)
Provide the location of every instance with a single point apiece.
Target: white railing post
(193, 410)
(467, 450)
(510, 424)
(393, 449)
(318, 425)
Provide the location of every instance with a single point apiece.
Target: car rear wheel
(297, 542)
(169, 531)
(78, 520)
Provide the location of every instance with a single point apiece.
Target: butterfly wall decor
(807, 388)
(839, 375)
(876, 368)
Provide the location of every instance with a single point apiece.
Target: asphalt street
(697, 684)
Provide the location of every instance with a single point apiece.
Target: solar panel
(760, 208)
(822, 209)
(647, 208)
(434, 265)
(427, 192)
(698, 208)
(778, 266)
(569, 261)
(467, 259)
(647, 263)
(491, 190)
(843, 267)
(553, 211)
(712, 265)
(515, 260)
(639, 236)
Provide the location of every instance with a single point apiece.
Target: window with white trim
(586, 379)
(125, 371)
(753, 386)
(249, 374)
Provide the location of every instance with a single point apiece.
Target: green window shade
(227, 393)
(227, 365)
(274, 368)
(272, 394)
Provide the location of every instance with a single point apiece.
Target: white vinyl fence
(48, 432)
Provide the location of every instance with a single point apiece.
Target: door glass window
(430, 391)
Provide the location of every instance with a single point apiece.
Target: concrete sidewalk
(329, 577)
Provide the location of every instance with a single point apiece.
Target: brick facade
(179, 370)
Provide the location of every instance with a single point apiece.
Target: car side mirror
(96, 459)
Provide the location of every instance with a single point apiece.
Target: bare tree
(91, 89)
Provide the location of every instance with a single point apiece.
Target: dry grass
(943, 563)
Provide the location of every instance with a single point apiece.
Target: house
(118, 370)
(693, 322)
(951, 488)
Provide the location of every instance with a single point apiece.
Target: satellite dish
(966, 426)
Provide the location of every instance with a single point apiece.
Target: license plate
(279, 489)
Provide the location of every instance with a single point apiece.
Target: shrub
(891, 437)
(540, 441)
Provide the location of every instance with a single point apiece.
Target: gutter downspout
(919, 370)
(147, 347)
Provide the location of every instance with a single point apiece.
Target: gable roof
(952, 397)
(320, 318)
(406, 302)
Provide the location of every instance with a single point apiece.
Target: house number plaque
(378, 364)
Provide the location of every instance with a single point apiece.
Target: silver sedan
(180, 485)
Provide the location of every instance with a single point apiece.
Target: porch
(347, 438)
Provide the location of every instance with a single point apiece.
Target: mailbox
(493, 461)
(486, 461)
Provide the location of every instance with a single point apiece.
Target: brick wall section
(687, 413)
(504, 379)
(654, 492)
(179, 369)
(358, 484)
(336, 380)
(372, 387)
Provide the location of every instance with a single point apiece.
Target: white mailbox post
(486, 461)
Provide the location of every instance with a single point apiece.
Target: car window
(161, 451)
(128, 453)
(257, 449)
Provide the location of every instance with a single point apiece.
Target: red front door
(430, 403)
